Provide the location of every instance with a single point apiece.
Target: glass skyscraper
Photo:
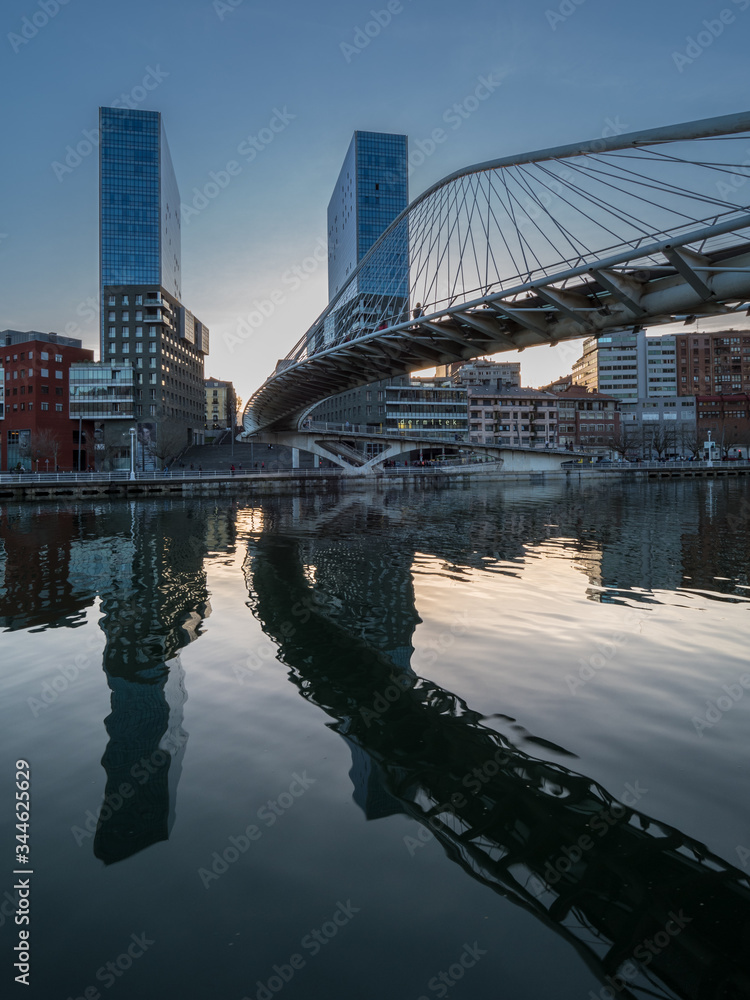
(372, 189)
(140, 202)
(143, 321)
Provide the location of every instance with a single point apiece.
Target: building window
(58, 407)
(45, 356)
(58, 358)
(125, 301)
(139, 331)
(125, 331)
(139, 348)
(112, 300)
(125, 348)
(152, 347)
(45, 406)
(44, 373)
(139, 300)
(58, 374)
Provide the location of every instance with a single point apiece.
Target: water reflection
(650, 910)
(145, 565)
(153, 604)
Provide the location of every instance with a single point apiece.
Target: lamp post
(132, 452)
(710, 450)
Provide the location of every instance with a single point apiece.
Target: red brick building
(36, 430)
(727, 416)
(710, 363)
(588, 420)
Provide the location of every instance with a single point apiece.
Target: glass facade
(382, 184)
(372, 189)
(101, 391)
(422, 409)
(139, 202)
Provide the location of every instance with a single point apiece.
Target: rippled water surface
(471, 743)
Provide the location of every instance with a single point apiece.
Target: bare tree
(659, 439)
(171, 439)
(623, 440)
(691, 439)
(663, 439)
(43, 444)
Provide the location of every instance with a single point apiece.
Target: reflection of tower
(367, 592)
(370, 792)
(603, 875)
(152, 608)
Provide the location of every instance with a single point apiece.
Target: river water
(486, 742)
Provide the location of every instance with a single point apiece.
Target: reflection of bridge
(606, 877)
(533, 249)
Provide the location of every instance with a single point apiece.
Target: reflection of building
(371, 191)
(38, 551)
(37, 432)
(150, 578)
(370, 791)
(605, 876)
(143, 319)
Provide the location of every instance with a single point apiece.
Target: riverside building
(372, 189)
(37, 432)
(513, 415)
(143, 320)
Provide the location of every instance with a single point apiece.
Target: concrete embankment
(73, 486)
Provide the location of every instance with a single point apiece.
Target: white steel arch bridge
(558, 244)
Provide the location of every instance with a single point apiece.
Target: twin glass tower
(143, 322)
(371, 192)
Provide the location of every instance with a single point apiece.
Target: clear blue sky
(221, 71)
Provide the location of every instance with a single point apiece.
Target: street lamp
(132, 452)
(710, 450)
